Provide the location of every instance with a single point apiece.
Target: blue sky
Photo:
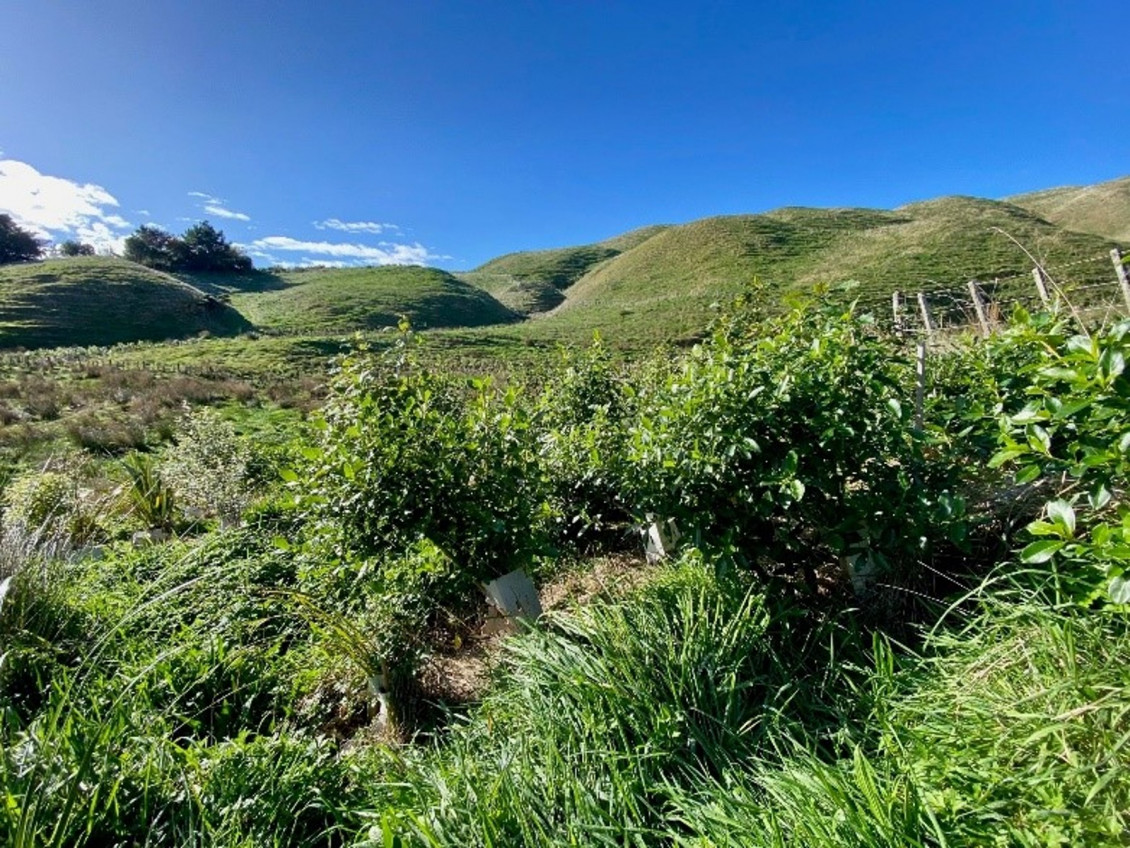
(451, 132)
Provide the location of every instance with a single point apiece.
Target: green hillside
(666, 286)
(336, 301)
(1102, 209)
(103, 301)
(533, 281)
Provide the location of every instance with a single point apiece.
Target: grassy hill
(534, 281)
(103, 301)
(336, 301)
(667, 285)
(1102, 209)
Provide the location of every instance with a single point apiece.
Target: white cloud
(387, 254)
(308, 262)
(355, 226)
(59, 209)
(217, 206)
(221, 212)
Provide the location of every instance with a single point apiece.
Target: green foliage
(404, 453)
(583, 413)
(204, 248)
(792, 441)
(1074, 428)
(151, 246)
(47, 499)
(201, 248)
(16, 243)
(75, 248)
(152, 500)
(280, 789)
(207, 466)
(41, 631)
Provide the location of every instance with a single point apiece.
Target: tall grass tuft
(594, 716)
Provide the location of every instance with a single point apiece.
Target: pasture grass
(103, 301)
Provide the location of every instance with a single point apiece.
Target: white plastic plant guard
(662, 538)
(514, 595)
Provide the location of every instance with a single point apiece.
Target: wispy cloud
(386, 254)
(59, 209)
(221, 212)
(218, 206)
(371, 227)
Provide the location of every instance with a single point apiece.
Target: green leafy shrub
(207, 467)
(1075, 429)
(48, 499)
(403, 453)
(792, 440)
(583, 412)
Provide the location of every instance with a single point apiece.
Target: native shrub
(582, 416)
(1074, 429)
(404, 453)
(791, 439)
(207, 466)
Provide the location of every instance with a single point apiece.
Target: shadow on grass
(217, 284)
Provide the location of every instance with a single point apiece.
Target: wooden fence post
(979, 307)
(919, 383)
(1120, 269)
(1041, 285)
(896, 310)
(925, 310)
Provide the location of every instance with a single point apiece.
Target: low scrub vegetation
(876, 633)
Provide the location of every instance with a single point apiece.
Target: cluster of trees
(201, 248)
(16, 243)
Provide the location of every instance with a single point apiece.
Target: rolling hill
(650, 285)
(534, 281)
(103, 301)
(335, 301)
(1102, 209)
(668, 284)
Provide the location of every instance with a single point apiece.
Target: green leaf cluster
(1073, 433)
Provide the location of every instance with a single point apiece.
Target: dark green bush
(583, 413)
(792, 441)
(405, 453)
(1074, 432)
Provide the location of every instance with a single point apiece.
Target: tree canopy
(75, 248)
(16, 243)
(201, 248)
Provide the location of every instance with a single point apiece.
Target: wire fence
(985, 306)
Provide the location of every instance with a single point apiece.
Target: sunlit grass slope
(336, 301)
(103, 301)
(1102, 209)
(534, 281)
(666, 286)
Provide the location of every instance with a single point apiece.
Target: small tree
(75, 248)
(201, 248)
(153, 247)
(16, 243)
(204, 248)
